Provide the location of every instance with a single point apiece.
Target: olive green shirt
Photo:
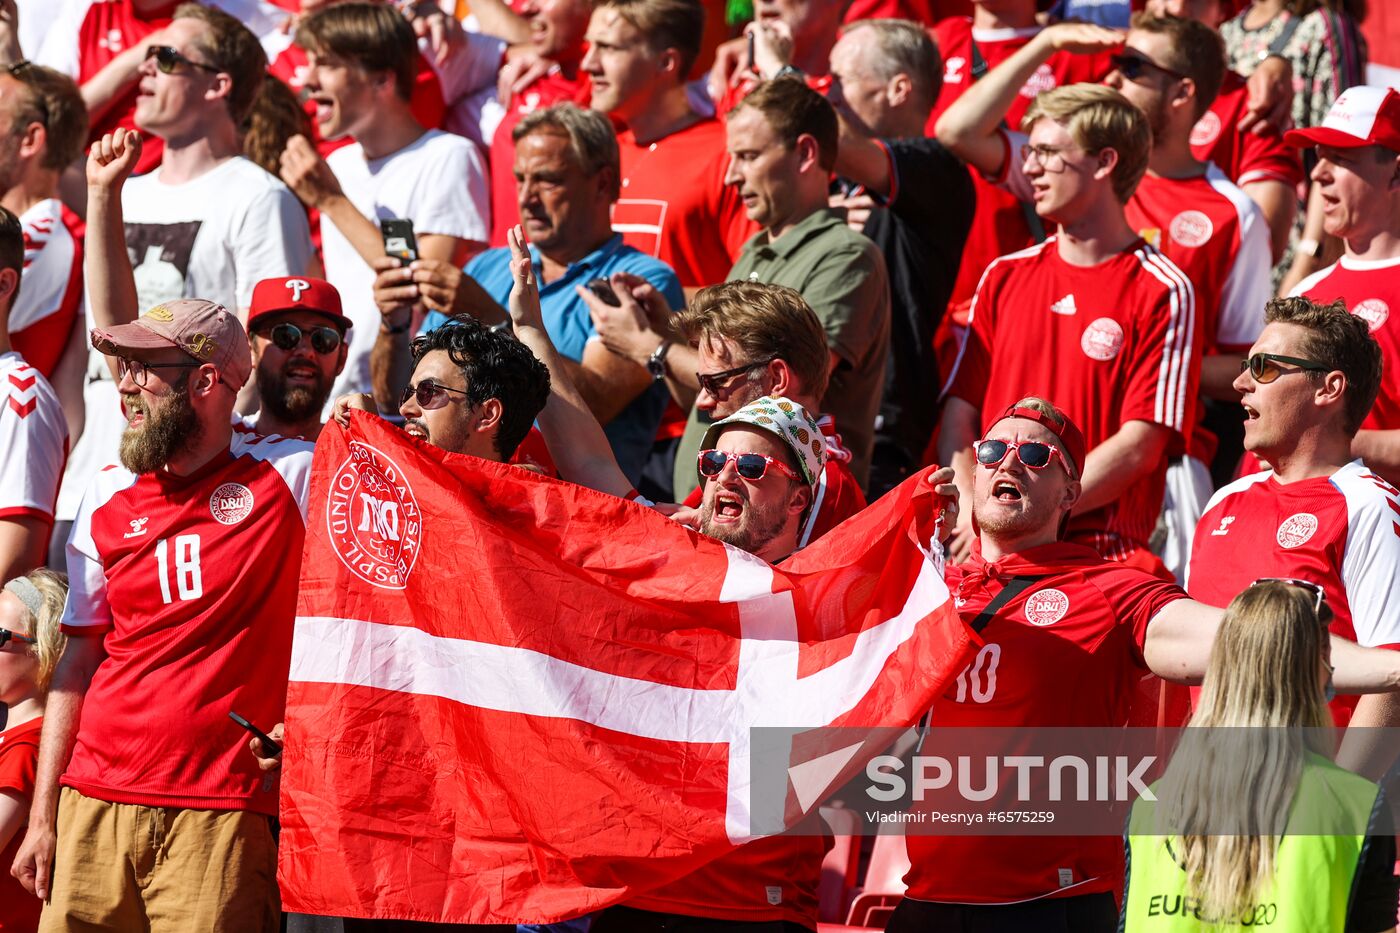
(842, 276)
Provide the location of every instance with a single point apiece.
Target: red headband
(1070, 437)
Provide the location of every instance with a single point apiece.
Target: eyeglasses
(1134, 67)
(139, 370)
(714, 383)
(1031, 453)
(1262, 366)
(429, 394)
(1319, 595)
(1050, 158)
(288, 337)
(7, 636)
(751, 467)
(168, 57)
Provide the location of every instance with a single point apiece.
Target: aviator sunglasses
(750, 466)
(429, 394)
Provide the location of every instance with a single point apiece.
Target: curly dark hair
(494, 365)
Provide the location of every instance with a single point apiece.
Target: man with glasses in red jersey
(298, 332)
(181, 566)
(1358, 178)
(1321, 514)
(1095, 313)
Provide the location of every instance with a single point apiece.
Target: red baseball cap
(297, 293)
(1361, 116)
(205, 330)
(1071, 438)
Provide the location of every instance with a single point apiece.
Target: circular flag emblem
(1046, 607)
(1206, 130)
(231, 503)
(373, 518)
(1296, 530)
(1102, 339)
(1373, 311)
(1043, 80)
(1191, 228)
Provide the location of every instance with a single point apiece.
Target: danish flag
(550, 710)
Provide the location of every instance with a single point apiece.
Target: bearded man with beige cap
(148, 812)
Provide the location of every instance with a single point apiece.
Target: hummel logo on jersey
(1224, 528)
(1065, 306)
(959, 602)
(138, 528)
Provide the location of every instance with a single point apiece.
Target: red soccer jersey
(553, 88)
(19, 754)
(1243, 157)
(192, 582)
(675, 205)
(1371, 290)
(1109, 344)
(34, 441)
(999, 226)
(1340, 531)
(1067, 652)
(52, 284)
(838, 495)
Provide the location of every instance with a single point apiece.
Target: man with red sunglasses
(298, 333)
(1321, 514)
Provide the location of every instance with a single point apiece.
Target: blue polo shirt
(570, 327)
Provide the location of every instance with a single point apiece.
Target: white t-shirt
(439, 182)
(214, 237)
(33, 441)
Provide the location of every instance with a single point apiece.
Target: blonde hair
(43, 628)
(1263, 674)
(1098, 118)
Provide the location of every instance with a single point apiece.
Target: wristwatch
(656, 363)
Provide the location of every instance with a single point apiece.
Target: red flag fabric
(516, 699)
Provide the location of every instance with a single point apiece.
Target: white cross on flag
(515, 699)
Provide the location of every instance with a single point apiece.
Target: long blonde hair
(44, 627)
(1262, 686)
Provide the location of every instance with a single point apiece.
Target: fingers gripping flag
(515, 699)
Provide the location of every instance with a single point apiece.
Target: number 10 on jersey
(189, 582)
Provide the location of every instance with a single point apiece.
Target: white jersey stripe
(1173, 372)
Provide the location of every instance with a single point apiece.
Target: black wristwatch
(656, 363)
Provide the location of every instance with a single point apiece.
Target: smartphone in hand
(270, 746)
(399, 241)
(604, 290)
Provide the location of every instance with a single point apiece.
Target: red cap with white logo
(1361, 116)
(297, 293)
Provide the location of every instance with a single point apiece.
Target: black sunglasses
(714, 383)
(1133, 67)
(429, 394)
(1262, 366)
(168, 57)
(7, 636)
(288, 336)
(750, 466)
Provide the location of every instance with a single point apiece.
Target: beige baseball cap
(205, 330)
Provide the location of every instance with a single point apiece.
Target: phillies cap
(789, 422)
(205, 330)
(297, 293)
(1070, 437)
(1361, 116)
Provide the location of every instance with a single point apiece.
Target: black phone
(604, 290)
(270, 745)
(399, 241)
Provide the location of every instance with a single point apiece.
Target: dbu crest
(373, 518)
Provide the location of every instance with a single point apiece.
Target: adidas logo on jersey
(1065, 306)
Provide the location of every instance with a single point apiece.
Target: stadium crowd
(1129, 282)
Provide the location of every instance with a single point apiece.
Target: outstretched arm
(575, 438)
(110, 283)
